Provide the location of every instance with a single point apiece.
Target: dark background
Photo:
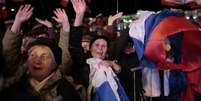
(44, 8)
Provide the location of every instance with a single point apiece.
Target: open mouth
(36, 68)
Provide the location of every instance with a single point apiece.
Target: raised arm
(12, 39)
(12, 42)
(77, 53)
(62, 18)
(50, 30)
(23, 14)
(121, 40)
(79, 8)
(111, 18)
(46, 23)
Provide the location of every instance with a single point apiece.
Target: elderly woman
(96, 71)
(38, 77)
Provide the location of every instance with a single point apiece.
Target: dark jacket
(80, 70)
(126, 61)
(57, 88)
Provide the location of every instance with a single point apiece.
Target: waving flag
(140, 38)
(190, 51)
(185, 42)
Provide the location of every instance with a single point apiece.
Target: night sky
(43, 8)
(127, 6)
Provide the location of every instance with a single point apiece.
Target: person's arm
(79, 7)
(62, 18)
(23, 14)
(120, 42)
(80, 71)
(50, 29)
(113, 18)
(12, 39)
(12, 43)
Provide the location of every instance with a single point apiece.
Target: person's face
(99, 49)
(40, 62)
(85, 45)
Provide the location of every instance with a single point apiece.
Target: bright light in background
(3, 8)
(187, 17)
(12, 9)
(195, 17)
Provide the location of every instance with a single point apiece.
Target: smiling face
(99, 48)
(41, 62)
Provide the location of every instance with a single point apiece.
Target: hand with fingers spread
(79, 8)
(111, 19)
(62, 18)
(23, 14)
(51, 32)
(44, 22)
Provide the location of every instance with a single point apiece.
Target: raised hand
(44, 22)
(23, 14)
(62, 18)
(111, 19)
(79, 7)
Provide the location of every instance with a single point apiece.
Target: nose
(37, 60)
(100, 47)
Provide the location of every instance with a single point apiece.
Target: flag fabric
(151, 82)
(106, 86)
(190, 55)
(149, 23)
(184, 36)
(190, 50)
(137, 31)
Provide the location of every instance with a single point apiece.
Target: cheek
(92, 50)
(30, 61)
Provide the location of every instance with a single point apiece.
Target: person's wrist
(78, 19)
(16, 26)
(66, 27)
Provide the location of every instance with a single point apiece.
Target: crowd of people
(64, 61)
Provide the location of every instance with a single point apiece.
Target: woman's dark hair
(99, 37)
